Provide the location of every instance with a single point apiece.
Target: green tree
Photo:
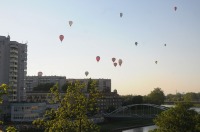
(71, 116)
(11, 129)
(178, 119)
(64, 87)
(126, 100)
(4, 90)
(131, 99)
(169, 97)
(156, 96)
(138, 99)
(190, 97)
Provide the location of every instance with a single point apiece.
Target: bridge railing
(137, 110)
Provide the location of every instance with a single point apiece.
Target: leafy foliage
(178, 119)
(11, 129)
(3, 91)
(190, 97)
(71, 116)
(132, 99)
(156, 96)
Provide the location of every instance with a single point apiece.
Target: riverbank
(118, 126)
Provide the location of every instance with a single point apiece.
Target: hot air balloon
(165, 44)
(98, 58)
(136, 43)
(115, 64)
(113, 59)
(61, 37)
(175, 8)
(121, 14)
(70, 23)
(120, 62)
(86, 73)
(156, 62)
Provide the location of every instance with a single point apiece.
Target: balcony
(14, 65)
(14, 56)
(13, 80)
(14, 51)
(13, 70)
(13, 60)
(12, 84)
(14, 46)
(13, 75)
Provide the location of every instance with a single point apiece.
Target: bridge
(136, 111)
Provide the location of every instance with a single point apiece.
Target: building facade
(13, 67)
(27, 112)
(102, 84)
(109, 100)
(34, 81)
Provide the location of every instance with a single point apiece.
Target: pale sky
(98, 30)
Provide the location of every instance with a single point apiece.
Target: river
(141, 129)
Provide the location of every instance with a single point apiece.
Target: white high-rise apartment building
(13, 67)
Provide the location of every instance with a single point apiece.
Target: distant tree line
(187, 97)
(156, 96)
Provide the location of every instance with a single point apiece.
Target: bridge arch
(136, 111)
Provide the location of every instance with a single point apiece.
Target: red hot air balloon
(120, 62)
(98, 58)
(86, 73)
(175, 8)
(61, 37)
(113, 59)
(115, 64)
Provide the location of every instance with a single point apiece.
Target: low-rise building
(27, 112)
(102, 84)
(34, 81)
(109, 100)
(39, 97)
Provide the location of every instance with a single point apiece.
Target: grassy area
(118, 126)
